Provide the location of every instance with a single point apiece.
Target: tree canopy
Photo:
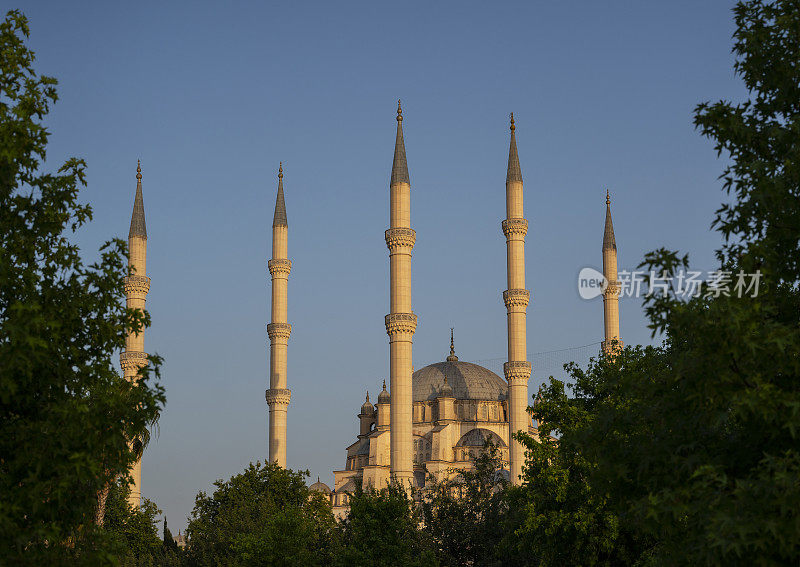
(66, 416)
(263, 516)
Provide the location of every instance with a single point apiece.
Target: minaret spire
(452, 357)
(399, 163)
(609, 242)
(401, 322)
(138, 226)
(517, 370)
(136, 286)
(279, 395)
(611, 294)
(514, 172)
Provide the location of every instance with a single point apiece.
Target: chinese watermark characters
(684, 284)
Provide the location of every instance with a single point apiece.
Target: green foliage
(466, 513)
(131, 534)
(132, 530)
(735, 360)
(571, 514)
(168, 542)
(760, 135)
(383, 529)
(262, 516)
(65, 414)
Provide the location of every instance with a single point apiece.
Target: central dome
(469, 382)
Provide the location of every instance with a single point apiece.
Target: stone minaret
(611, 294)
(516, 297)
(136, 285)
(401, 321)
(278, 395)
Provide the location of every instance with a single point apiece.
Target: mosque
(433, 421)
(436, 420)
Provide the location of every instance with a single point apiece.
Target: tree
(168, 542)
(567, 512)
(382, 529)
(262, 516)
(688, 454)
(466, 514)
(133, 531)
(66, 416)
(735, 360)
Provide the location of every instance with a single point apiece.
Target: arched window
(422, 449)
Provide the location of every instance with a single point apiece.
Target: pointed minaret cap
(609, 242)
(514, 172)
(138, 226)
(366, 407)
(452, 357)
(383, 397)
(280, 205)
(399, 164)
(538, 397)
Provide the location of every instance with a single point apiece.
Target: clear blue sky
(211, 96)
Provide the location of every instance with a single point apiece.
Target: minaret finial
(279, 219)
(138, 225)
(399, 163)
(609, 242)
(384, 384)
(367, 396)
(514, 172)
(452, 357)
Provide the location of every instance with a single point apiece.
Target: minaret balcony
(278, 396)
(400, 323)
(136, 285)
(515, 227)
(279, 331)
(517, 371)
(612, 289)
(516, 299)
(279, 266)
(400, 238)
(132, 360)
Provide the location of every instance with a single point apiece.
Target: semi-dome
(468, 381)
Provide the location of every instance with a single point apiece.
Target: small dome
(367, 408)
(446, 390)
(383, 397)
(468, 381)
(320, 487)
